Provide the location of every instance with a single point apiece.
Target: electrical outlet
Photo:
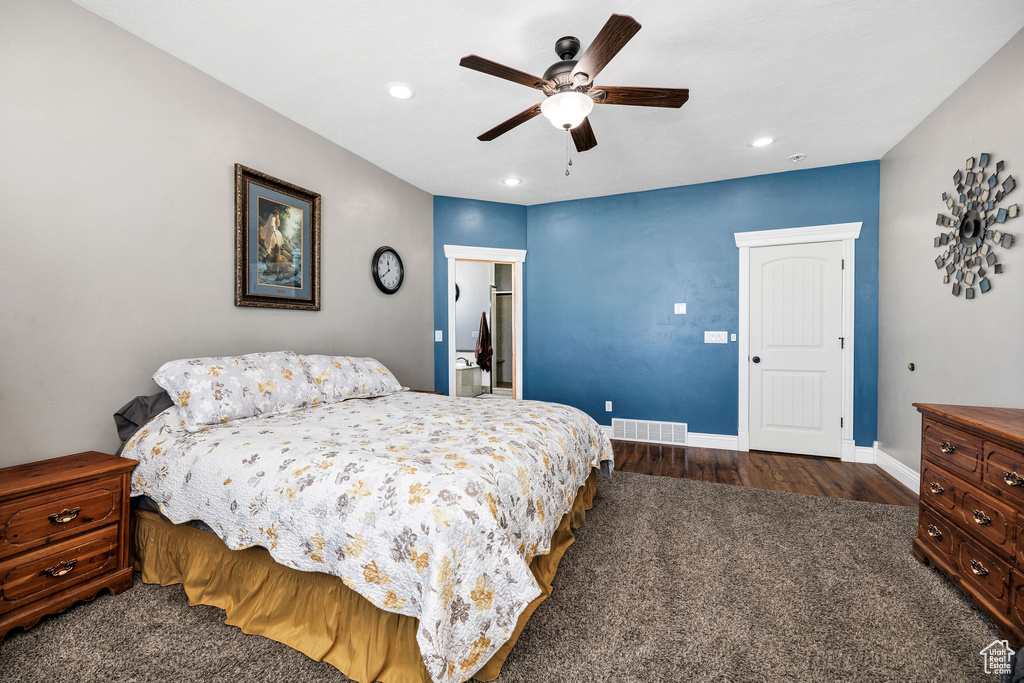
(679, 309)
(608, 406)
(438, 335)
(475, 334)
(733, 336)
(716, 337)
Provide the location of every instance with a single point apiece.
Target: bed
(403, 537)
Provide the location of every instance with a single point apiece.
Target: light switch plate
(679, 309)
(438, 335)
(608, 406)
(716, 337)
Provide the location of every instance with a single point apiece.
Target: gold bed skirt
(313, 612)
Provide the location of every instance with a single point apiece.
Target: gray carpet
(672, 580)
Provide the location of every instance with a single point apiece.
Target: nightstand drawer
(38, 573)
(33, 521)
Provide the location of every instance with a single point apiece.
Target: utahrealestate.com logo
(997, 657)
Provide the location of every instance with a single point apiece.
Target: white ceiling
(839, 81)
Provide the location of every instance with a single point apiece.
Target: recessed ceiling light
(762, 142)
(400, 91)
(512, 181)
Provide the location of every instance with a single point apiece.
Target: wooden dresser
(971, 524)
(63, 534)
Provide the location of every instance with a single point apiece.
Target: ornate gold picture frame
(277, 243)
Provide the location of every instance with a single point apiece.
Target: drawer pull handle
(934, 532)
(937, 489)
(947, 447)
(981, 518)
(61, 568)
(978, 568)
(64, 516)
(1013, 479)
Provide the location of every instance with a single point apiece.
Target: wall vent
(673, 433)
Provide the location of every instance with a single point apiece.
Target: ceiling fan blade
(501, 71)
(616, 32)
(643, 97)
(583, 136)
(506, 126)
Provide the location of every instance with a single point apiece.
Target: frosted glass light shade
(566, 109)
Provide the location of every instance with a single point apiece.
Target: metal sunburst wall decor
(969, 256)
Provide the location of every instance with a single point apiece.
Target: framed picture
(277, 243)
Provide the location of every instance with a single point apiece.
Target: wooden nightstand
(63, 534)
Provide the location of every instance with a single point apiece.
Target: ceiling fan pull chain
(568, 150)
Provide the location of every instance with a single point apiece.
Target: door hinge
(840, 422)
(843, 267)
(842, 342)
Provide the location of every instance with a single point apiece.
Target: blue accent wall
(467, 223)
(602, 275)
(604, 272)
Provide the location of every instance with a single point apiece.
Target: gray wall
(965, 352)
(117, 186)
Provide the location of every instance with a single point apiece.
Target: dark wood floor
(760, 470)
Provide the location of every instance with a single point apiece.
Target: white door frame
(516, 257)
(839, 232)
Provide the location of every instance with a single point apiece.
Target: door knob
(756, 359)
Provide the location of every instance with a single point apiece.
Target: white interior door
(795, 362)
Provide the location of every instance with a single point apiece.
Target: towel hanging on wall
(484, 352)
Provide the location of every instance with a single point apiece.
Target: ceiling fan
(569, 87)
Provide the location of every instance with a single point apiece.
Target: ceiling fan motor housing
(560, 73)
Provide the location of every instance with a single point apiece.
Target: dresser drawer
(938, 488)
(955, 449)
(34, 521)
(38, 573)
(988, 518)
(985, 573)
(1004, 473)
(1017, 599)
(936, 532)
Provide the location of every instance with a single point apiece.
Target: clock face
(387, 270)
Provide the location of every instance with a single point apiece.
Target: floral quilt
(428, 506)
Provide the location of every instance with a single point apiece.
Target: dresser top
(1004, 424)
(44, 474)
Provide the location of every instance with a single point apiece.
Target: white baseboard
(899, 471)
(723, 441)
(865, 454)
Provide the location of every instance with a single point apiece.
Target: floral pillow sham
(215, 390)
(338, 378)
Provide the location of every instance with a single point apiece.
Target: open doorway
(484, 330)
(489, 285)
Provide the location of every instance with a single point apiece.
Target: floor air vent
(650, 432)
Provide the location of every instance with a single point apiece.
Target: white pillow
(342, 377)
(217, 390)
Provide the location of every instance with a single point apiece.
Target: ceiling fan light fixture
(566, 109)
(762, 142)
(400, 91)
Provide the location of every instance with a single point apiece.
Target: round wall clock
(975, 226)
(387, 270)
